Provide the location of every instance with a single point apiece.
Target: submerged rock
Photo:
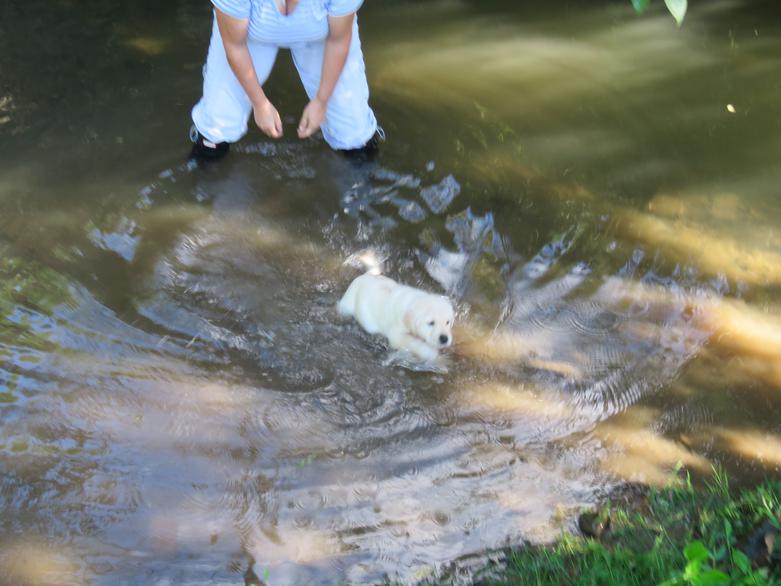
(594, 523)
(761, 546)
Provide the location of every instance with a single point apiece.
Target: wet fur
(402, 314)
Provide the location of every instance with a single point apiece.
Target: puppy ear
(411, 320)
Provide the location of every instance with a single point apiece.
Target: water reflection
(188, 425)
(340, 466)
(179, 402)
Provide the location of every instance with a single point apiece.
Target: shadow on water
(179, 401)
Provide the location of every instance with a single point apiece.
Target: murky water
(179, 404)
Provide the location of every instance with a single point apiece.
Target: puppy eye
(431, 323)
(447, 323)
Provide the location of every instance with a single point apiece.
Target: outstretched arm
(337, 46)
(234, 38)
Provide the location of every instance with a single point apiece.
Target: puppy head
(431, 320)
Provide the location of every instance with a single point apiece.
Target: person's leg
(349, 124)
(220, 117)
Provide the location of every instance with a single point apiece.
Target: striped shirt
(308, 21)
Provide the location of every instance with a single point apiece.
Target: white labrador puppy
(410, 318)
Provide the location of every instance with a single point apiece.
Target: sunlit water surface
(179, 404)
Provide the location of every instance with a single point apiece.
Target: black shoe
(369, 151)
(205, 150)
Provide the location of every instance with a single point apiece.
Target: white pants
(222, 113)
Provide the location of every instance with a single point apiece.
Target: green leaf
(728, 530)
(711, 578)
(678, 9)
(640, 5)
(696, 552)
(742, 562)
(692, 570)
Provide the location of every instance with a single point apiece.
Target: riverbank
(681, 534)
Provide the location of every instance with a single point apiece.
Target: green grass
(678, 535)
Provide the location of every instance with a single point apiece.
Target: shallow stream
(597, 192)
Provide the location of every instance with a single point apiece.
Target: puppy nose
(443, 339)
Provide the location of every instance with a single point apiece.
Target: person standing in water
(322, 36)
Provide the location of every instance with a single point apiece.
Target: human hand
(312, 118)
(268, 120)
